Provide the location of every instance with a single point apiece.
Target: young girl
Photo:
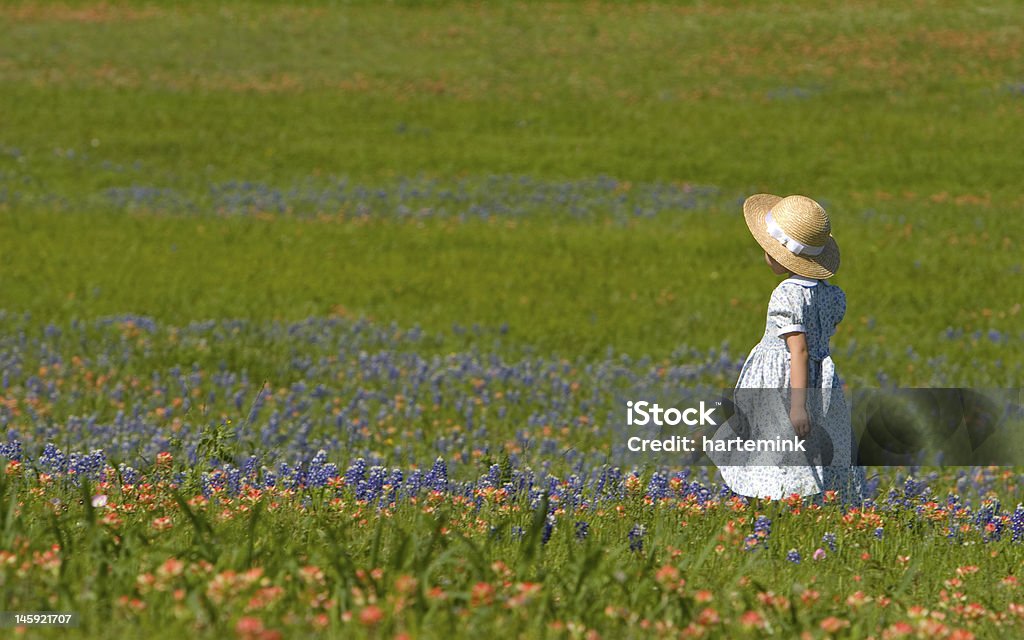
(788, 384)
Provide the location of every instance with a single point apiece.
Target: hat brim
(824, 265)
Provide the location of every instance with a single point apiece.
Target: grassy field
(241, 234)
(655, 119)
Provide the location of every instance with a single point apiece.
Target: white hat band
(795, 246)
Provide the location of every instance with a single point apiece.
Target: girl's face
(776, 268)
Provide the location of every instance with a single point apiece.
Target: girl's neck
(797, 276)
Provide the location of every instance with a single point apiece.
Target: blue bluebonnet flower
(636, 537)
(320, 472)
(53, 459)
(582, 529)
(763, 527)
(234, 479)
(11, 450)
(829, 539)
(249, 468)
(493, 477)
(912, 488)
(269, 477)
(437, 477)
(988, 519)
(206, 485)
(657, 487)
(414, 483)
(128, 475)
(356, 472)
(549, 527)
(1017, 524)
(759, 537)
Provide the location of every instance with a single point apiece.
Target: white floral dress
(813, 307)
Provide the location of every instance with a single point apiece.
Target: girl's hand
(801, 422)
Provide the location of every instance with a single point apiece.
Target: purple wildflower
(636, 537)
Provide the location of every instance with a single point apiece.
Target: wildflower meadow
(318, 319)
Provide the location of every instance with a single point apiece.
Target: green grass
(893, 116)
(897, 99)
(574, 288)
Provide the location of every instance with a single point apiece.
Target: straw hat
(794, 230)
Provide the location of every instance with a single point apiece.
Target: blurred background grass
(905, 121)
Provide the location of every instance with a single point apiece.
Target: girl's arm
(797, 343)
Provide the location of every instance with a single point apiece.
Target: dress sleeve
(786, 311)
(840, 306)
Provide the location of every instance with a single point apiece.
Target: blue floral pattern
(812, 307)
